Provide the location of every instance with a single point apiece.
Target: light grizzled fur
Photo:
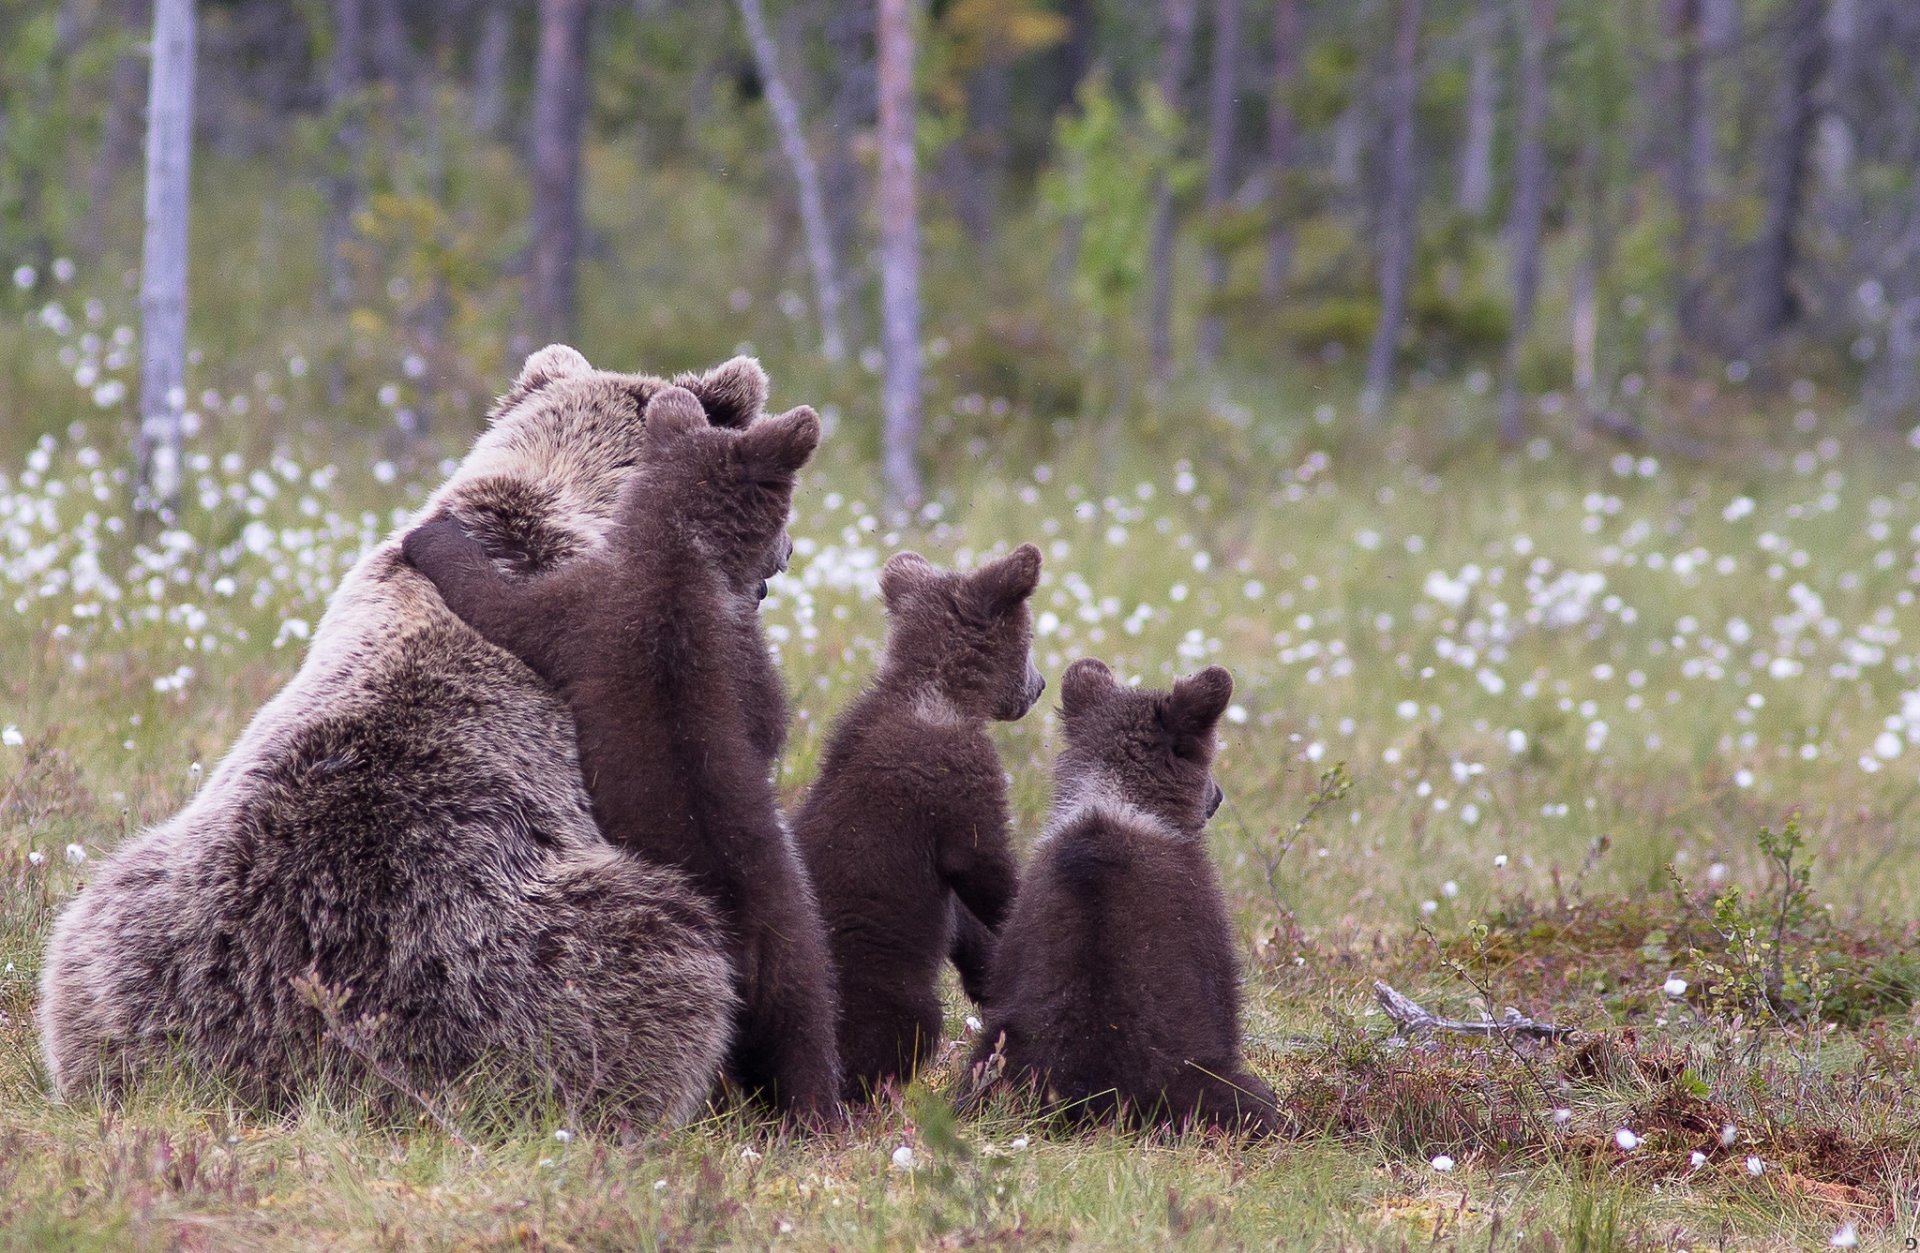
(406, 820)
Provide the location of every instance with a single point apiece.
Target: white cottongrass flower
(973, 1025)
(1845, 1238)
(1500, 861)
(903, 1157)
(1562, 1116)
(1443, 1163)
(1450, 889)
(1675, 987)
(75, 854)
(1697, 1159)
(1627, 1141)
(1019, 1142)
(36, 858)
(563, 1136)
(11, 736)
(749, 1154)
(1728, 1134)
(1756, 1167)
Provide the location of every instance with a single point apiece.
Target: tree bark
(1177, 23)
(1803, 53)
(1475, 192)
(490, 70)
(163, 258)
(806, 174)
(1686, 171)
(1399, 217)
(559, 118)
(1529, 207)
(1220, 121)
(1280, 137)
(899, 257)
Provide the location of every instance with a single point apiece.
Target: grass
(1569, 690)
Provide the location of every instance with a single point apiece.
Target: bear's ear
(1197, 702)
(904, 573)
(1004, 585)
(672, 413)
(555, 361)
(775, 448)
(733, 392)
(1086, 682)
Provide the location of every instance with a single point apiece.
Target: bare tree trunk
(1220, 120)
(163, 258)
(1529, 207)
(490, 70)
(1803, 53)
(1686, 171)
(559, 117)
(899, 258)
(1475, 192)
(813, 213)
(1399, 217)
(1177, 22)
(1280, 135)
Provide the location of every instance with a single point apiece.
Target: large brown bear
(405, 822)
(657, 648)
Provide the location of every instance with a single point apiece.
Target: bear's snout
(1216, 795)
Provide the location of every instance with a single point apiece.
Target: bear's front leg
(785, 1047)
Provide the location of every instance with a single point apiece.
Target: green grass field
(1569, 689)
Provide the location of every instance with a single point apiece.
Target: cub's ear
(1086, 681)
(903, 573)
(1002, 586)
(555, 361)
(1198, 701)
(673, 412)
(775, 448)
(733, 392)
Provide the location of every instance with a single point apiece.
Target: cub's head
(964, 640)
(731, 488)
(541, 484)
(1151, 750)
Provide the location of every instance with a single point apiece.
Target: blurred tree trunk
(163, 258)
(345, 81)
(1686, 171)
(1176, 47)
(1399, 217)
(899, 257)
(490, 69)
(1802, 56)
(1280, 135)
(1529, 207)
(1220, 123)
(1475, 192)
(559, 118)
(119, 133)
(793, 145)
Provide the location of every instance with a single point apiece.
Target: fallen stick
(1411, 1019)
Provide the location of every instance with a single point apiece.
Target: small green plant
(1765, 959)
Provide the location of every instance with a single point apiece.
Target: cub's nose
(1036, 683)
(1213, 801)
(786, 552)
(760, 591)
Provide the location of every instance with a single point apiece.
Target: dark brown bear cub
(656, 647)
(905, 831)
(1116, 985)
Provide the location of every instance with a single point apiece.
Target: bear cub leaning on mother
(656, 647)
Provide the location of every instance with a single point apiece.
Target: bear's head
(730, 489)
(962, 642)
(1140, 748)
(541, 483)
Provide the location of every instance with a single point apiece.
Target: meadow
(1623, 738)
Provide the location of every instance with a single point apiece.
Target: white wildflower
(76, 855)
(1627, 1141)
(903, 1157)
(1443, 1163)
(1675, 987)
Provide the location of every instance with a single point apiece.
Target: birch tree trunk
(559, 117)
(1177, 22)
(806, 173)
(1220, 119)
(1475, 192)
(163, 257)
(1529, 206)
(1280, 136)
(1399, 215)
(1803, 52)
(899, 258)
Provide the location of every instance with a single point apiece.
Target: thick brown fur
(905, 830)
(1116, 982)
(656, 648)
(406, 821)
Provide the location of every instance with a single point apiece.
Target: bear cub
(655, 644)
(1115, 987)
(905, 830)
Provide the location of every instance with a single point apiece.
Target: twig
(1413, 1020)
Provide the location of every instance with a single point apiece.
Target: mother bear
(405, 823)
